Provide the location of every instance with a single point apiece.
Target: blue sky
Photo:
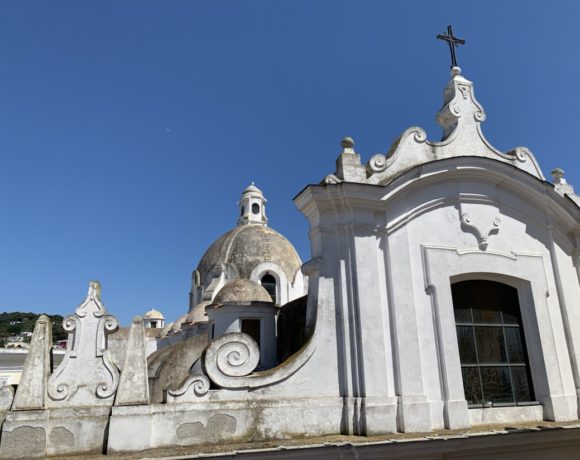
(128, 129)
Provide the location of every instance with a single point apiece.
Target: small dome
(153, 314)
(252, 188)
(197, 315)
(242, 291)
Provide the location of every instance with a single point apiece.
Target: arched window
(256, 208)
(269, 283)
(492, 348)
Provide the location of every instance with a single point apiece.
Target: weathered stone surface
(24, 434)
(218, 427)
(60, 436)
(87, 376)
(40, 433)
(6, 397)
(169, 367)
(23, 442)
(31, 392)
(244, 248)
(134, 385)
(209, 422)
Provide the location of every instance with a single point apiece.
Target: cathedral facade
(442, 293)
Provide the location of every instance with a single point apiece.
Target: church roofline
(460, 117)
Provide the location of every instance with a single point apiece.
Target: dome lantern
(252, 207)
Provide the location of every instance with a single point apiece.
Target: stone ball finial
(455, 71)
(347, 143)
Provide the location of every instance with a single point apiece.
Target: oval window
(256, 208)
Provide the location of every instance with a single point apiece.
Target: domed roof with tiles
(249, 244)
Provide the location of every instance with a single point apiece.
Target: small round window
(256, 208)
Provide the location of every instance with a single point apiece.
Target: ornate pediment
(461, 118)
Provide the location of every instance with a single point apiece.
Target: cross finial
(452, 42)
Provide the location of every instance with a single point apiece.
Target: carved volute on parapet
(87, 375)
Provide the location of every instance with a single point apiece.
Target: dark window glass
(491, 343)
(496, 384)
(514, 344)
(269, 283)
(242, 211)
(463, 315)
(521, 379)
(252, 328)
(510, 310)
(472, 385)
(466, 345)
(256, 208)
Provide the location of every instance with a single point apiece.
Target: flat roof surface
(565, 434)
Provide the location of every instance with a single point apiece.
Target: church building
(442, 294)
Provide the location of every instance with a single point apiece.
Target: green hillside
(24, 322)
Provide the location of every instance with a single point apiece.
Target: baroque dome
(251, 251)
(245, 247)
(242, 291)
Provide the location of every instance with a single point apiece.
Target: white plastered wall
(393, 253)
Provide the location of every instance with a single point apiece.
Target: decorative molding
(194, 387)
(229, 357)
(331, 179)
(229, 362)
(481, 233)
(461, 118)
(87, 356)
(379, 162)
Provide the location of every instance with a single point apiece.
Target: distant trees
(14, 323)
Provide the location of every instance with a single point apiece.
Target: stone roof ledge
(460, 118)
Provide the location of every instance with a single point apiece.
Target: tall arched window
(492, 348)
(269, 283)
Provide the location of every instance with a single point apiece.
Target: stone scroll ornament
(482, 233)
(231, 357)
(87, 376)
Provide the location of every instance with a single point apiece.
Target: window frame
(476, 326)
(276, 284)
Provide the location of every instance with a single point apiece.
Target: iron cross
(452, 42)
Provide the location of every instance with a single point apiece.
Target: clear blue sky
(128, 129)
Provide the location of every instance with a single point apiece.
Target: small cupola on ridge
(252, 207)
